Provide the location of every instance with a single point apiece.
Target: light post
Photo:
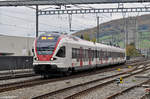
(98, 26)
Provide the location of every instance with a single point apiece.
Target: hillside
(138, 29)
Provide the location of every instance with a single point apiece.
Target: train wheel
(46, 76)
(68, 73)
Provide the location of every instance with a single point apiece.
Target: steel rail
(15, 76)
(126, 90)
(34, 82)
(100, 85)
(83, 84)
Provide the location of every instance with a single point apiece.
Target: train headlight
(52, 59)
(35, 58)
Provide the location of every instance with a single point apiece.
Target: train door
(89, 55)
(106, 55)
(101, 56)
(81, 56)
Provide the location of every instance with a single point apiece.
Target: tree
(132, 51)
(86, 37)
(94, 40)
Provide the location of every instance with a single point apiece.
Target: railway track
(146, 88)
(14, 74)
(39, 81)
(146, 96)
(23, 74)
(114, 96)
(17, 75)
(83, 87)
(7, 72)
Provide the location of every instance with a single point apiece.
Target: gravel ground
(105, 91)
(15, 71)
(147, 97)
(27, 93)
(135, 93)
(17, 80)
(65, 94)
(148, 64)
(62, 95)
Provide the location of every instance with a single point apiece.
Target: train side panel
(74, 54)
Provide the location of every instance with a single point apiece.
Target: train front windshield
(46, 44)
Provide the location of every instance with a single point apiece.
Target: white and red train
(59, 53)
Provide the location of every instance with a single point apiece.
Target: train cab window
(61, 52)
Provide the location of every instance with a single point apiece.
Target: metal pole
(137, 32)
(70, 20)
(125, 33)
(37, 20)
(126, 36)
(97, 36)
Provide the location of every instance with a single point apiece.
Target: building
(15, 46)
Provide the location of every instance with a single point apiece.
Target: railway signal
(119, 69)
(119, 80)
(129, 67)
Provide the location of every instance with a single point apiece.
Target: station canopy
(63, 2)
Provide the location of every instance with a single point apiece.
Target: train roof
(76, 40)
(50, 34)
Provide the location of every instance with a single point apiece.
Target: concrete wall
(20, 46)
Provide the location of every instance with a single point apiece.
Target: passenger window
(61, 52)
(73, 53)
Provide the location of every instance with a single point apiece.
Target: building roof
(62, 2)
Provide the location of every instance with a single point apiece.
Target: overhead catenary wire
(71, 16)
(55, 26)
(26, 20)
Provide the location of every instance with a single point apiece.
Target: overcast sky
(20, 21)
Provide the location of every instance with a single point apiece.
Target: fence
(15, 62)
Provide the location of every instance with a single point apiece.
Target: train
(56, 53)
